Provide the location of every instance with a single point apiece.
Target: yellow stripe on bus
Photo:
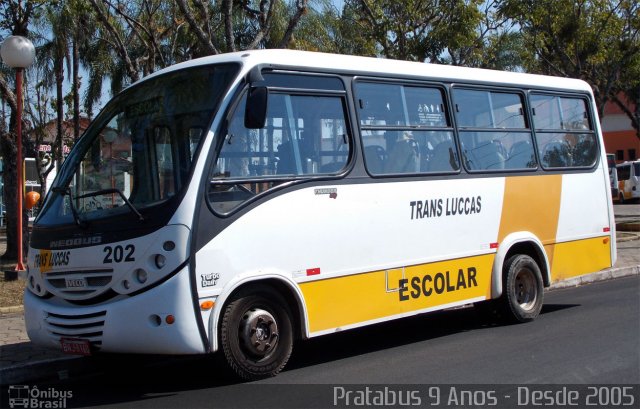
(532, 203)
(353, 299)
(580, 257)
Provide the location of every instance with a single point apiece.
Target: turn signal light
(206, 305)
(170, 319)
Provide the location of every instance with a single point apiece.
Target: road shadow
(140, 378)
(549, 308)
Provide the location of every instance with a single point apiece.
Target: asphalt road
(585, 335)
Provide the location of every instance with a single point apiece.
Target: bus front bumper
(158, 321)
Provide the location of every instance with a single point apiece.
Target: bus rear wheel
(257, 335)
(523, 290)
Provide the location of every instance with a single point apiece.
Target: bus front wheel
(256, 334)
(523, 289)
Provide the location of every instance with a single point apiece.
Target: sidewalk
(21, 361)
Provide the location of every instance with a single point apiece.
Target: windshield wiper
(111, 191)
(76, 217)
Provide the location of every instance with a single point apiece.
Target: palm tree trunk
(76, 88)
(59, 73)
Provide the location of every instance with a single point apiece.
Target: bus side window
(493, 130)
(563, 131)
(405, 129)
(304, 136)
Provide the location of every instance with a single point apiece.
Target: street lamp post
(18, 52)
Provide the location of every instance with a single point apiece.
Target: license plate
(75, 346)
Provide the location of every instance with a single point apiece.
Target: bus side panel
(567, 213)
(583, 242)
(348, 246)
(579, 257)
(349, 301)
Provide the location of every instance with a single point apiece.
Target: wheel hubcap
(259, 332)
(526, 289)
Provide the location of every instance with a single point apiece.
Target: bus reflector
(313, 271)
(605, 240)
(206, 305)
(493, 245)
(606, 229)
(170, 319)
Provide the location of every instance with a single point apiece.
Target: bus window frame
(448, 112)
(528, 125)
(592, 129)
(287, 180)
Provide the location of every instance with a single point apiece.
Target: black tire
(256, 334)
(523, 290)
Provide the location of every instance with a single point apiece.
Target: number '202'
(118, 254)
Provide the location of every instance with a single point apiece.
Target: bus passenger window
(563, 131)
(405, 129)
(304, 136)
(493, 130)
(380, 104)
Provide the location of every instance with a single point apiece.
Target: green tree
(495, 43)
(416, 30)
(57, 52)
(327, 29)
(595, 40)
(234, 25)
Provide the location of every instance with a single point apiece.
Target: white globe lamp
(17, 52)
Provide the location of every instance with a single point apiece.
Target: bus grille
(86, 326)
(79, 285)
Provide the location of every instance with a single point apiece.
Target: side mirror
(255, 114)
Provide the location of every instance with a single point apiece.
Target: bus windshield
(140, 150)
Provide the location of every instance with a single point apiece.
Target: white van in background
(628, 181)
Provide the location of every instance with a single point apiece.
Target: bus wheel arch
(520, 273)
(263, 305)
(519, 243)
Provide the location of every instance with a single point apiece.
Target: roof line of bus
(349, 64)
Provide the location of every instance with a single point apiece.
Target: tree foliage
(416, 30)
(595, 40)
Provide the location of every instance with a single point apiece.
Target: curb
(623, 236)
(11, 310)
(604, 275)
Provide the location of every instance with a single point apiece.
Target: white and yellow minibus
(239, 202)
